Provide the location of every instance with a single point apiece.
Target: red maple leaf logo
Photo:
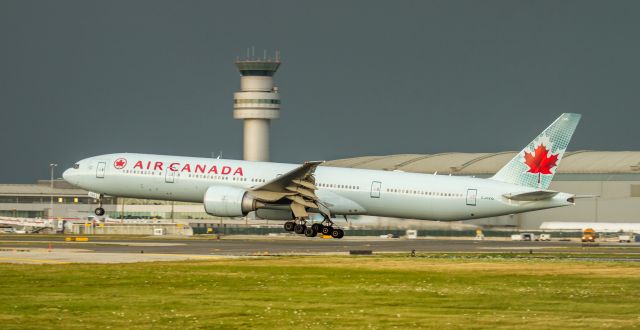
(120, 163)
(540, 162)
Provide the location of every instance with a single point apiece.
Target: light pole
(52, 166)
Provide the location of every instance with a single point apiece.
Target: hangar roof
(575, 162)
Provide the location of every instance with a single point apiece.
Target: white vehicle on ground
(625, 238)
(544, 237)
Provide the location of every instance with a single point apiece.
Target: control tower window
(259, 101)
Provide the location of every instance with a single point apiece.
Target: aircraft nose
(67, 175)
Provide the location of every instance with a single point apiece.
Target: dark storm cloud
(80, 78)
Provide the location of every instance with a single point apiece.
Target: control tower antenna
(257, 102)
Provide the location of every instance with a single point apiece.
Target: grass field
(323, 292)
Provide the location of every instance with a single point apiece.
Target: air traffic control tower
(257, 103)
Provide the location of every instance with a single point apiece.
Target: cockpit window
(76, 166)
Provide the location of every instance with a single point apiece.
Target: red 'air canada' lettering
(189, 168)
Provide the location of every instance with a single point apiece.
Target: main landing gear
(325, 227)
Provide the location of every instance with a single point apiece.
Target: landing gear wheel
(289, 225)
(99, 211)
(317, 227)
(337, 233)
(327, 230)
(340, 233)
(310, 232)
(300, 228)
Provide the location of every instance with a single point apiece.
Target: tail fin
(536, 164)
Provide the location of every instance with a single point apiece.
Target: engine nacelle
(225, 201)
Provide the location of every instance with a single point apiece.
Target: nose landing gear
(99, 211)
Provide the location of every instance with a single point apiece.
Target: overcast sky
(81, 78)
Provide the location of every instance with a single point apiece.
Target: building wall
(115, 229)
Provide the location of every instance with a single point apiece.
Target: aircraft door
(375, 189)
(100, 170)
(471, 196)
(169, 176)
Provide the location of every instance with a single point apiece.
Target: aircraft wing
(297, 185)
(531, 196)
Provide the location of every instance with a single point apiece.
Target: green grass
(323, 292)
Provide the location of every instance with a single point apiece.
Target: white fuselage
(342, 190)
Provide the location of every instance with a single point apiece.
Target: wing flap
(269, 196)
(302, 191)
(297, 186)
(305, 184)
(299, 211)
(302, 201)
(301, 173)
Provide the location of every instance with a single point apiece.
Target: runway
(53, 249)
(242, 246)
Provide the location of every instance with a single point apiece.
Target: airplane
(278, 191)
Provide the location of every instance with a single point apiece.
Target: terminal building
(64, 201)
(613, 177)
(44, 200)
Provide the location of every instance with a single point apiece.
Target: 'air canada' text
(189, 168)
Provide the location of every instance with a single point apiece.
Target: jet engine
(225, 201)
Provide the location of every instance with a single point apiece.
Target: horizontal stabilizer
(531, 196)
(585, 196)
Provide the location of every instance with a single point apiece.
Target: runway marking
(35, 260)
(516, 247)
